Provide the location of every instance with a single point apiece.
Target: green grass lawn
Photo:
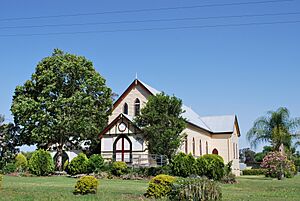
(60, 189)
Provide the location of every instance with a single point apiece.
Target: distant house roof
(212, 124)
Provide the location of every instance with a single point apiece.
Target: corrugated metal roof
(151, 89)
(193, 118)
(215, 124)
(220, 124)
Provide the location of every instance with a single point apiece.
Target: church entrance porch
(122, 149)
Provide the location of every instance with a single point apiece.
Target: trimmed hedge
(254, 172)
(118, 168)
(85, 185)
(211, 166)
(78, 165)
(160, 186)
(41, 163)
(183, 165)
(195, 189)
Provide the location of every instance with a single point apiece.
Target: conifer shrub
(86, 185)
(41, 163)
(211, 166)
(195, 189)
(78, 165)
(95, 163)
(160, 186)
(21, 163)
(118, 168)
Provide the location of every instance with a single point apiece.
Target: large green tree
(162, 124)
(276, 128)
(65, 103)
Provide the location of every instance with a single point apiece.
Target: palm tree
(276, 127)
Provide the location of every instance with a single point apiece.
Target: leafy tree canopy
(64, 103)
(162, 124)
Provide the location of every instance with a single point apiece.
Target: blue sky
(245, 70)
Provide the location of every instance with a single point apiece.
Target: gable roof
(221, 124)
(192, 117)
(212, 124)
(109, 126)
(131, 86)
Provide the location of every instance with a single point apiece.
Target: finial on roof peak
(136, 76)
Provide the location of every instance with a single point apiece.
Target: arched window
(186, 145)
(194, 148)
(215, 151)
(200, 147)
(237, 152)
(125, 108)
(137, 107)
(206, 147)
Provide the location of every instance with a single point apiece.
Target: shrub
(290, 170)
(254, 172)
(27, 154)
(1, 179)
(178, 165)
(85, 185)
(228, 168)
(160, 186)
(297, 163)
(78, 165)
(229, 177)
(183, 165)
(96, 163)
(211, 166)
(118, 168)
(21, 163)
(195, 189)
(9, 168)
(66, 165)
(154, 171)
(41, 163)
(278, 165)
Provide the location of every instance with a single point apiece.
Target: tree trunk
(59, 158)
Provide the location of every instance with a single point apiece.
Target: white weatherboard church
(122, 141)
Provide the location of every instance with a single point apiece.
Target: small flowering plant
(277, 165)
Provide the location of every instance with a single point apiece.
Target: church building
(122, 141)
